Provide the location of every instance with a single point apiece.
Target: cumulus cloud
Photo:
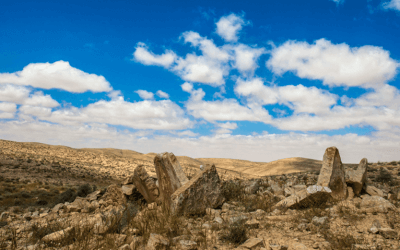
(299, 98)
(222, 110)
(144, 56)
(8, 107)
(22, 95)
(145, 94)
(162, 94)
(225, 128)
(229, 26)
(147, 114)
(393, 4)
(57, 75)
(35, 111)
(334, 64)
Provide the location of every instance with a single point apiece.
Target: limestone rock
(57, 236)
(157, 242)
(350, 193)
(376, 204)
(187, 245)
(388, 233)
(145, 184)
(356, 178)
(319, 221)
(128, 180)
(201, 192)
(253, 243)
(128, 189)
(170, 175)
(332, 174)
(298, 246)
(114, 196)
(313, 195)
(373, 191)
(93, 196)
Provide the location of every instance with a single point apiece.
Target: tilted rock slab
(170, 176)
(332, 174)
(201, 192)
(145, 184)
(309, 197)
(356, 178)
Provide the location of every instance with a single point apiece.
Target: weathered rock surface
(170, 175)
(201, 192)
(145, 184)
(114, 196)
(252, 243)
(356, 178)
(332, 174)
(57, 236)
(374, 191)
(157, 242)
(128, 189)
(376, 204)
(313, 195)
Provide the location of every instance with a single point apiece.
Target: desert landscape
(56, 197)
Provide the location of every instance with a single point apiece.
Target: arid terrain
(56, 197)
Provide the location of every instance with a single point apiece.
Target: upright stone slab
(201, 192)
(356, 178)
(170, 176)
(332, 174)
(145, 184)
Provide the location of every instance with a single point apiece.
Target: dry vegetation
(35, 178)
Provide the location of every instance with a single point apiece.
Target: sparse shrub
(84, 190)
(68, 195)
(235, 233)
(339, 240)
(384, 176)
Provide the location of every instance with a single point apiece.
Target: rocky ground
(63, 198)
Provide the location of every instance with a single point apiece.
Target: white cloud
(57, 75)
(229, 26)
(8, 107)
(162, 94)
(35, 111)
(334, 64)
(145, 94)
(221, 110)
(393, 4)
(6, 115)
(225, 128)
(299, 98)
(246, 58)
(145, 57)
(148, 114)
(338, 1)
(207, 47)
(21, 95)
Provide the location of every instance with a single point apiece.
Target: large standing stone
(356, 178)
(332, 174)
(170, 176)
(145, 184)
(310, 197)
(201, 192)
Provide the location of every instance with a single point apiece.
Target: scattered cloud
(145, 94)
(334, 64)
(145, 57)
(22, 95)
(229, 26)
(393, 5)
(162, 94)
(8, 107)
(57, 75)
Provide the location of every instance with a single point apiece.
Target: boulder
(201, 192)
(371, 204)
(157, 242)
(114, 196)
(309, 197)
(332, 174)
(145, 184)
(357, 178)
(58, 236)
(373, 191)
(170, 175)
(128, 189)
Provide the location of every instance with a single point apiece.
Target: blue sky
(255, 80)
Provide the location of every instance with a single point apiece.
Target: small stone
(299, 246)
(157, 242)
(187, 245)
(319, 221)
(125, 247)
(388, 233)
(252, 224)
(373, 191)
(253, 243)
(128, 189)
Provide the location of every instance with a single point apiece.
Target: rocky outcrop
(114, 196)
(145, 184)
(357, 178)
(170, 176)
(201, 192)
(376, 204)
(332, 174)
(157, 242)
(312, 196)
